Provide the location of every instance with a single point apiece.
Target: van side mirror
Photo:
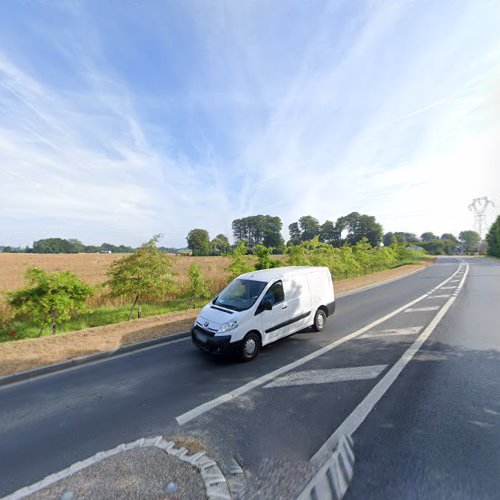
(265, 305)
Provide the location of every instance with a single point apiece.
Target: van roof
(279, 272)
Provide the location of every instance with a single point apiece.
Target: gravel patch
(136, 474)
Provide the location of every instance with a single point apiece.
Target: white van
(260, 307)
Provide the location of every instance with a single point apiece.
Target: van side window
(275, 294)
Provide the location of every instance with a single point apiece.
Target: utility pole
(478, 207)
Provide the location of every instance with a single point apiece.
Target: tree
(449, 247)
(146, 273)
(449, 236)
(272, 234)
(77, 245)
(450, 243)
(359, 226)
(328, 233)
(493, 238)
(428, 236)
(50, 298)
(402, 237)
(198, 285)
(294, 231)
(434, 247)
(240, 264)
(469, 240)
(198, 242)
(259, 230)
(53, 245)
(220, 245)
(388, 239)
(108, 247)
(309, 227)
(264, 258)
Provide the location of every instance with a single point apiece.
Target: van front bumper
(207, 341)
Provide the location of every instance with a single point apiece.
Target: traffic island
(146, 468)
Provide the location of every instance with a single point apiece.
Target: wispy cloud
(164, 117)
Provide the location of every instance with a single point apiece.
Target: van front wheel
(250, 347)
(319, 320)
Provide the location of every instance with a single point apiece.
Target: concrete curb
(63, 365)
(333, 478)
(215, 482)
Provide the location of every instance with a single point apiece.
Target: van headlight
(226, 327)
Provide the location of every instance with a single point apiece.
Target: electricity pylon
(478, 207)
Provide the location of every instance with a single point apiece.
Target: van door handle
(284, 307)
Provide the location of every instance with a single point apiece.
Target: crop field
(92, 268)
(101, 309)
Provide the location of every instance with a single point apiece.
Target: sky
(120, 119)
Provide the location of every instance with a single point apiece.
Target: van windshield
(240, 295)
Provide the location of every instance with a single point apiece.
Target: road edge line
(82, 360)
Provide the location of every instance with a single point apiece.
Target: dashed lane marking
(327, 376)
(444, 296)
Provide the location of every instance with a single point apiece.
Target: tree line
(350, 229)
(446, 244)
(266, 230)
(61, 245)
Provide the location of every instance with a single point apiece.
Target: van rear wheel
(319, 320)
(250, 347)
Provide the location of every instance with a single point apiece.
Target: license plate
(200, 337)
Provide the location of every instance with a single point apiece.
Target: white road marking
(327, 376)
(445, 295)
(229, 396)
(419, 309)
(97, 361)
(357, 417)
(448, 288)
(410, 330)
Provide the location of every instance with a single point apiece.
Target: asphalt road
(433, 434)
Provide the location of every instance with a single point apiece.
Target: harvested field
(92, 267)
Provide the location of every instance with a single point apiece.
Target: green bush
(50, 298)
(144, 274)
(198, 287)
(264, 260)
(240, 263)
(348, 261)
